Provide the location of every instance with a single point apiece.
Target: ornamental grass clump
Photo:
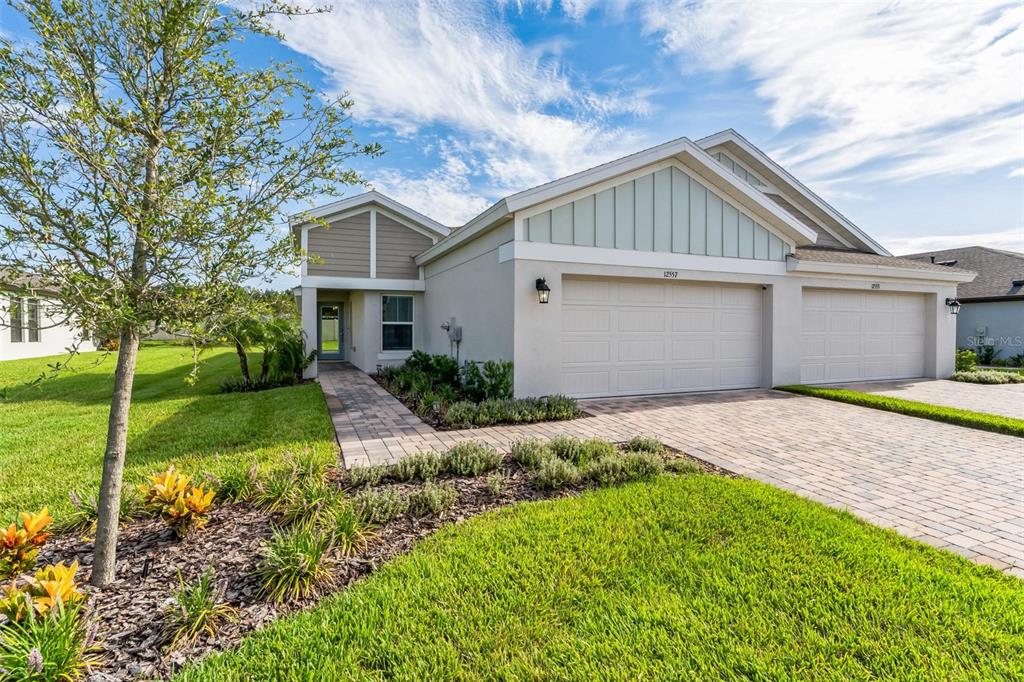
(348, 532)
(238, 484)
(273, 492)
(183, 506)
(376, 507)
(311, 503)
(470, 458)
(85, 511)
(432, 499)
(196, 609)
(20, 543)
(54, 646)
(296, 563)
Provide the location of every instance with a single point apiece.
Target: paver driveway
(950, 486)
(1002, 399)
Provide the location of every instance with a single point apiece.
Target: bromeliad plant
(182, 506)
(20, 543)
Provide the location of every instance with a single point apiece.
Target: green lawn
(696, 578)
(914, 408)
(52, 434)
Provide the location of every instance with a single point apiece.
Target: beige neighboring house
(691, 266)
(33, 325)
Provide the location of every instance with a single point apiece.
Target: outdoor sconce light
(543, 290)
(954, 306)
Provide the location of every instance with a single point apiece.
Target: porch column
(940, 335)
(784, 301)
(309, 322)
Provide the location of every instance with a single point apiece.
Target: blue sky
(908, 117)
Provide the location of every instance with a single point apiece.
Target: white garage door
(628, 337)
(855, 335)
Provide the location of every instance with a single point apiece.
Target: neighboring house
(689, 266)
(32, 324)
(992, 306)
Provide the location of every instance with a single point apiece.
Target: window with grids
(17, 315)
(396, 323)
(33, 320)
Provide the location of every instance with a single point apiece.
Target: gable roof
(816, 259)
(682, 149)
(997, 271)
(369, 199)
(810, 202)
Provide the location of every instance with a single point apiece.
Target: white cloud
(899, 90)
(411, 65)
(1008, 240)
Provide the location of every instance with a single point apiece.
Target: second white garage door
(859, 336)
(629, 337)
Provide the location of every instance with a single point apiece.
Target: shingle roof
(997, 270)
(859, 258)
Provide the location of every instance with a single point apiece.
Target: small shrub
(556, 473)
(432, 499)
(496, 483)
(183, 506)
(966, 360)
(988, 376)
(195, 609)
(683, 466)
(491, 380)
(376, 507)
(20, 543)
(348, 533)
(596, 448)
(359, 476)
(272, 493)
(240, 385)
(987, 354)
(238, 484)
(562, 407)
(529, 453)
(568, 448)
(641, 466)
(312, 503)
(56, 646)
(645, 444)
(422, 466)
(622, 468)
(295, 563)
(470, 458)
(51, 588)
(461, 414)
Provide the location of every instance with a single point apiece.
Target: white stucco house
(33, 325)
(691, 266)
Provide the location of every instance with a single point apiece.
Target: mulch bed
(126, 615)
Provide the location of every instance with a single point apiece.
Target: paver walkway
(950, 486)
(1002, 399)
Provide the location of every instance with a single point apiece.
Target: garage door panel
(693, 349)
(588, 319)
(576, 352)
(630, 320)
(641, 351)
(693, 321)
(625, 337)
(851, 336)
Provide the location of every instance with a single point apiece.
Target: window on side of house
(33, 320)
(17, 320)
(396, 323)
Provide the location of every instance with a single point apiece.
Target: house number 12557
(672, 274)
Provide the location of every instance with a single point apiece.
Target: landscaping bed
(448, 396)
(391, 508)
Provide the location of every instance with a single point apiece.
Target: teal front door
(330, 332)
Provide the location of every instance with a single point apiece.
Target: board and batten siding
(738, 169)
(666, 211)
(396, 247)
(343, 249)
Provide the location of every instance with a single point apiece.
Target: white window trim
(397, 354)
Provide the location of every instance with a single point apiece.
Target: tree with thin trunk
(144, 173)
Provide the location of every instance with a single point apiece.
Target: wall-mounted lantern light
(543, 290)
(954, 306)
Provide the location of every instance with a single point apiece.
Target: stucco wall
(54, 336)
(1000, 321)
(470, 285)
